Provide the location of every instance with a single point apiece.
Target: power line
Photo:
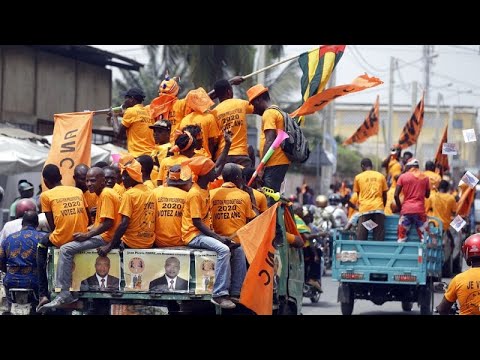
(354, 47)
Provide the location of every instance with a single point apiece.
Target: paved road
(328, 304)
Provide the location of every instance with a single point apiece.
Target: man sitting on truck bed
(415, 187)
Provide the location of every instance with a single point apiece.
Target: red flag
(412, 128)
(441, 160)
(319, 101)
(256, 238)
(368, 128)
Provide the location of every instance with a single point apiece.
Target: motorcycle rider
(465, 287)
(310, 252)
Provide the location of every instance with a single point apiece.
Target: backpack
(296, 146)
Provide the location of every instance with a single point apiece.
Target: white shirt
(99, 279)
(168, 282)
(14, 226)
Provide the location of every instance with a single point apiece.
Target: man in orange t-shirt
(137, 208)
(107, 220)
(371, 187)
(65, 210)
(272, 120)
(170, 203)
(135, 124)
(231, 116)
(197, 229)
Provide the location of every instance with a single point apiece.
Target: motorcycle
(310, 291)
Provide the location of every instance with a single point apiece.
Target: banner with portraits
(157, 270)
(89, 269)
(205, 263)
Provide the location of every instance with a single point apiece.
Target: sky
(454, 71)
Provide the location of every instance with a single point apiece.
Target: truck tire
(347, 308)
(407, 306)
(447, 268)
(457, 264)
(426, 303)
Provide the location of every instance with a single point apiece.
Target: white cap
(413, 162)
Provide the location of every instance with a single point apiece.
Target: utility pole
(328, 127)
(428, 56)
(414, 95)
(388, 141)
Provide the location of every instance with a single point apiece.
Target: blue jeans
(65, 260)
(224, 281)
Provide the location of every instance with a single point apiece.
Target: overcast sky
(454, 73)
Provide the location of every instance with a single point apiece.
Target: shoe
(235, 299)
(58, 301)
(315, 284)
(43, 300)
(223, 302)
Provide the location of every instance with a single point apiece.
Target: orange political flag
(257, 242)
(441, 161)
(319, 101)
(71, 143)
(368, 128)
(412, 128)
(465, 203)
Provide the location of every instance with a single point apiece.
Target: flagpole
(276, 64)
(376, 160)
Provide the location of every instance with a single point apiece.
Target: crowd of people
(182, 183)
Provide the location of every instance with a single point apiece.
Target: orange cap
(198, 100)
(255, 91)
(200, 165)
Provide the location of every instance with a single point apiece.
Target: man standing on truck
(465, 286)
(415, 187)
(371, 187)
(65, 209)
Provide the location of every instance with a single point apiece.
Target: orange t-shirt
(354, 201)
(370, 185)
(209, 126)
(231, 208)
(272, 120)
(67, 204)
(139, 136)
(149, 184)
(231, 115)
(158, 154)
(120, 189)
(91, 199)
(434, 179)
(444, 206)
(175, 116)
(139, 204)
(167, 163)
(197, 206)
(261, 200)
(108, 205)
(466, 288)
(168, 226)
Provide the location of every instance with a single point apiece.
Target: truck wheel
(426, 303)
(347, 308)
(457, 264)
(314, 299)
(407, 306)
(447, 268)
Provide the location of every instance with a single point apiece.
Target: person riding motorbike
(465, 287)
(310, 252)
